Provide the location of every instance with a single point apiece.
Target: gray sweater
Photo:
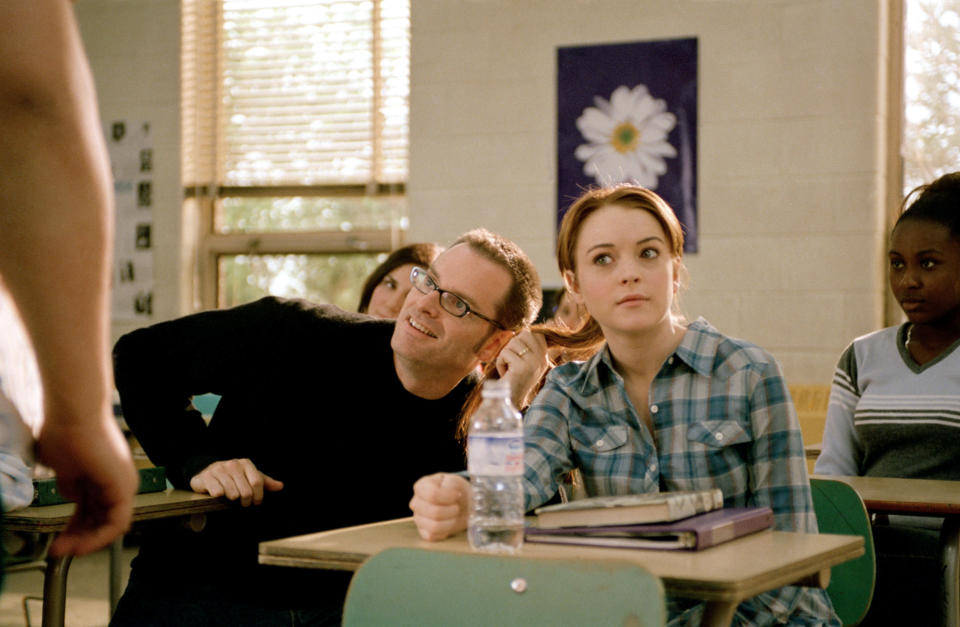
(891, 417)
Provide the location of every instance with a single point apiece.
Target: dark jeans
(149, 601)
(909, 585)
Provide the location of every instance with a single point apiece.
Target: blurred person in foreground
(56, 229)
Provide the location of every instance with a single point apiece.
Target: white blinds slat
(288, 92)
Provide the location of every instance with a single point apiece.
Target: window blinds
(298, 92)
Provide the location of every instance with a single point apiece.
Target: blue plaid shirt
(722, 418)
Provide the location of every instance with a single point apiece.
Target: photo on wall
(627, 112)
(130, 146)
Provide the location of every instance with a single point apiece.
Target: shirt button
(670, 361)
(652, 467)
(718, 436)
(600, 442)
(654, 409)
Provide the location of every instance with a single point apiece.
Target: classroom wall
(791, 149)
(791, 145)
(134, 52)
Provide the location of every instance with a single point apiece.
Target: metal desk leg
(949, 545)
(116, 563)
(55, 590)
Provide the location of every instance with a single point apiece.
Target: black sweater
(309, 394)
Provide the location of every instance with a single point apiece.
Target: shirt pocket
(716, 457)
(602, 453)
(599, 440)
(718, 434)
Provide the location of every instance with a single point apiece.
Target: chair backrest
(840, 510)
(811, 403)
(422, 587)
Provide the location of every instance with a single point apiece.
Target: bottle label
(495, 454)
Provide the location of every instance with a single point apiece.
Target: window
(295, 133)
(931, 133)
(925, 85)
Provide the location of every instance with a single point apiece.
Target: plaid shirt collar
(697, 350)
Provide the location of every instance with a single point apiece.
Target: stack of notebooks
(689, 520)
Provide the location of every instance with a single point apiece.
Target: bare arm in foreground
(56, 226)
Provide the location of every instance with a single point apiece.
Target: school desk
(722, 575)
(48, 519)
(920, 497)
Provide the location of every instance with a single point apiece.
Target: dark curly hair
(938, 202)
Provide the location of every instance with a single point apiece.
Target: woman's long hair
(583, 342)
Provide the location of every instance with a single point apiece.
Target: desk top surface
(895, 495)
(728, 572)
(146, 506)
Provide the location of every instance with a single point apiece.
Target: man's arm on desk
(159, 368)
(155, 399)
(237, 479)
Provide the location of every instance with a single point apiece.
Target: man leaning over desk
(317, 406)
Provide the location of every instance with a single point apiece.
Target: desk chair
(424, 587)
(840, 510)
(31, 556)
(811, 403)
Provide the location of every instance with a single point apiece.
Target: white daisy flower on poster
(628, 137)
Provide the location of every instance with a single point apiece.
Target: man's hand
(235, 479)
(94, 468)
(523, 360)
(440, 504)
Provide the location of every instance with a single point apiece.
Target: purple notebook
(693, 533)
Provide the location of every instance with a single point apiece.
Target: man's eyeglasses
(450, 302)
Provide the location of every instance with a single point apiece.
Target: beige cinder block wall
(134, 52)
(791, 149)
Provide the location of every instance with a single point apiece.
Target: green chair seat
(840, 510)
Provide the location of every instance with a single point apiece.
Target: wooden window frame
(206, 165)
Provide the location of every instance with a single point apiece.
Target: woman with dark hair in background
(387, 286)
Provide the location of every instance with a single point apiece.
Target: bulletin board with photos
(130, 146)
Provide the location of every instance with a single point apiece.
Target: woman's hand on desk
(235, 479)
(440, 503)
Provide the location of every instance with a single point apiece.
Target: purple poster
(628, 113)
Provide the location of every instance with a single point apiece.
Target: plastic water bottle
(495, 464)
